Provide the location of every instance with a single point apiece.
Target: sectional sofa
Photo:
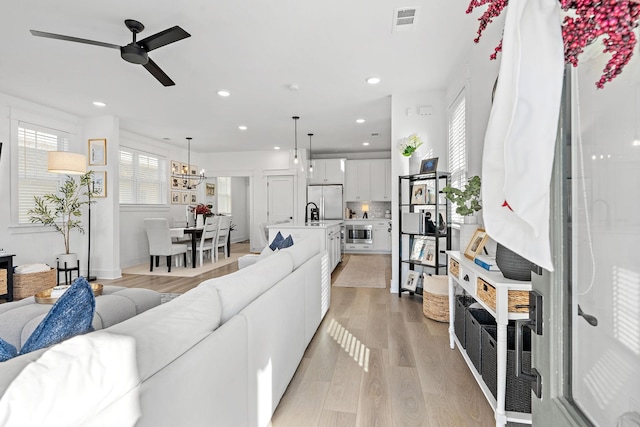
(223, 353)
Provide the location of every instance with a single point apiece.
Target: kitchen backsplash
(376, 209)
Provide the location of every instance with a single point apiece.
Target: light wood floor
(412, 378)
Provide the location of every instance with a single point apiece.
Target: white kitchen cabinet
(380, 170)
(328, 171)
(357, 181)
(382, 236)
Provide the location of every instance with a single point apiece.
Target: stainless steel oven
(359, 233)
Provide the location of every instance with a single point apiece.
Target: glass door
(605, 243)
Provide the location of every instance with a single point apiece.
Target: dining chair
(208, 238)
(223, 235)
(160, 243)
(176, 236)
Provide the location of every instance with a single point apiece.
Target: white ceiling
(255, 49)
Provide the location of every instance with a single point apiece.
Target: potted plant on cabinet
(63, 211)
(467, 202)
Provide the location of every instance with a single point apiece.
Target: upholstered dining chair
(160, 242)
(223, 235)
(208, 239)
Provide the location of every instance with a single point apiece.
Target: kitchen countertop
(314, 224)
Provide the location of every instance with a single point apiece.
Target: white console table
(466, 278)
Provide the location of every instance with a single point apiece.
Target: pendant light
(310, 157)
(295, 135)
(193, 180)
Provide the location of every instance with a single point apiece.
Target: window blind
(458, 146)
(143, 178)
(34, 143)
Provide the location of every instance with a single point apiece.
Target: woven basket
(512, 265)
(475, 319)
(3, 281)
(29, 284)
(518, 391)
(435, 303)
(462, 302)
(518, 300)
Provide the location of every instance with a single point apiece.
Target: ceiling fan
(135, 52)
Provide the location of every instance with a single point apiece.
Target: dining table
(195, 232)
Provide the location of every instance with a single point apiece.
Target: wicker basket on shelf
(29, 284)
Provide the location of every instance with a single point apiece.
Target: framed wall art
(210, 189)
(97, 152)
(185, 198)
(99, 184)
(175, 198)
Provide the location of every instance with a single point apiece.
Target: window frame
(162, 178)
(459, 176)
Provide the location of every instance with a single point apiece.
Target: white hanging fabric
(519, 144)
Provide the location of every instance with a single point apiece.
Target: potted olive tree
(467, 201)
(63, 211)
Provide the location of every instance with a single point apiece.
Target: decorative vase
(512, 265)
(467, 230)
(71, 260)
(199, 221)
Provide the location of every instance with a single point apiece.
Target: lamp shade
(65, 162)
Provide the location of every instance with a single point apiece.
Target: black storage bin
(474, 320)
(518, 391)
(462, 302)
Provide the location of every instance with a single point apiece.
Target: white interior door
(280, 190)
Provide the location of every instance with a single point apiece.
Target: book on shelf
(487, 262)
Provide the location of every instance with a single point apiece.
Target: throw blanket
(89, 380)
(520, 139)
(31, 268)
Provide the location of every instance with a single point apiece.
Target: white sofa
(224, 353)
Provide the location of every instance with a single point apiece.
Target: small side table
(68, 272)
(6, 261)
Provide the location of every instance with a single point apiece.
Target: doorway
(280, 200)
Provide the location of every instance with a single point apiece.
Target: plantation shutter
(142, 178)
(34, 143)
(458, 146)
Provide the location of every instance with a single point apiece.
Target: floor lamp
(64, 162)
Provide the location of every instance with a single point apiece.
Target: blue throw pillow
(276, 241)
(71, 315)
(286, 242)
(7, 351)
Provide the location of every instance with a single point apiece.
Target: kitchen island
(329, 233)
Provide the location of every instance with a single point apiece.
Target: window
(143, 178)
(224, 195)
(458, 145)
(34, 143)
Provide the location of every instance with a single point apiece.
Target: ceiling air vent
(404, 19)
(374, 134)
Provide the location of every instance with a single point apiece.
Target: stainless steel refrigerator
(328, 198)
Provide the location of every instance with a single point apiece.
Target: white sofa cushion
(88, 380)
(302, 250)
(239, 289)
(165, 332)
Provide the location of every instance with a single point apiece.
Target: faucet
(306, 211)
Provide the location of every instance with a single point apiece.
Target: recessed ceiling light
(360, 121)
(242, 127)
(373, 80)
(365, 143)
(224, 93)
(276, 148)
(99, 104)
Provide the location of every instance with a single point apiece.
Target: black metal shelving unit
(440, 238)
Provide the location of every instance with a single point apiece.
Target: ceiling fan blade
(72, 39)
(153, 68)
(163, 38)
